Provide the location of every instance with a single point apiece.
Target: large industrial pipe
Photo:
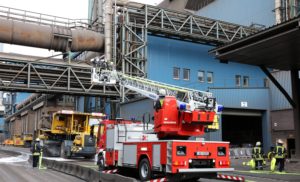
(50, 37)
(108, 30)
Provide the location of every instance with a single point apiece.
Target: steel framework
(134, 22)
(48, 76)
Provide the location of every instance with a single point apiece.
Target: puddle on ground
(20, 158)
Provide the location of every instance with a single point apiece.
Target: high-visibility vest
(257, 153)
(279, 152)
(35, 152)
(161, 101)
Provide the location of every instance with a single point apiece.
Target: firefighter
(257, 155)
(280, 154)
(36, 152)
(158, 104)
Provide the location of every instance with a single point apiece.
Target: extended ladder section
(189, 98)
(149, 88)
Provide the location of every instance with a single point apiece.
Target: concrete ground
(292, 169)
(16, 168)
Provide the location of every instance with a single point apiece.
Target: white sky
(74, 9)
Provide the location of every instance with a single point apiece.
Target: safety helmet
(162, 92)
(258, 143)
(37, 139)
(280, 141)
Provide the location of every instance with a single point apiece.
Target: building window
(201, 76)
(238, 80)
(186, 74)
(176, 73)
(210, 77)
(246, 81)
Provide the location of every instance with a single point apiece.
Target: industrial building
(254, 108)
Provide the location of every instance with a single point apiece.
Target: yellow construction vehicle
(27, 138)
(17, 140)
(8, 142)
(71, 134)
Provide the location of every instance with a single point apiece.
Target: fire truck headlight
(181, 150)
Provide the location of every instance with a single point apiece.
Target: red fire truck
(163, 147)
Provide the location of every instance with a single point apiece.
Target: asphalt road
(292, 169)
(18, 169)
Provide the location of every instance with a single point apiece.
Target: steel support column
(296, 110)
(277, 84)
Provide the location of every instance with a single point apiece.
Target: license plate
(202, 153)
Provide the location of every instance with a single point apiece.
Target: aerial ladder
(189, 99)
(165, 147)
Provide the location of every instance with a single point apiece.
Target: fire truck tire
(101, 165)
(145, 172)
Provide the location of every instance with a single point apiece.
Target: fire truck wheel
(145, 170)
(101, 163)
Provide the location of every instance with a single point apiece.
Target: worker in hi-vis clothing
(280, 154)
(257, 155)
(158, 104)
(36, 152)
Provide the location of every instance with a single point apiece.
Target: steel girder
(52, 78)
(134, 23)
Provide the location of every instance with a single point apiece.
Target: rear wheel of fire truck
(101, 165)
(145, 172)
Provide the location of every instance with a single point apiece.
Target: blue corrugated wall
(231, 98)
(164, 54)
(1, 124)
(243, 12)
(278, 101)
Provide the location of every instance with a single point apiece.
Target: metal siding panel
(242, 12)
(137, 109)
(232, 98)
(156, 155)
(130, 153)
(174, 53)
(282, 120)
(278, 101)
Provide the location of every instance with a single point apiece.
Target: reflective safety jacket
(257, 153)
(36, 149)
(159, 103)
(280, 152)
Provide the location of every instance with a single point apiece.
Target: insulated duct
(50, 37)
(108, 30)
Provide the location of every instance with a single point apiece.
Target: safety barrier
(84, 173)
(237, 153)
(81, 172)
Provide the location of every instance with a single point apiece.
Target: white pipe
(278, 16)
(108, 30)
